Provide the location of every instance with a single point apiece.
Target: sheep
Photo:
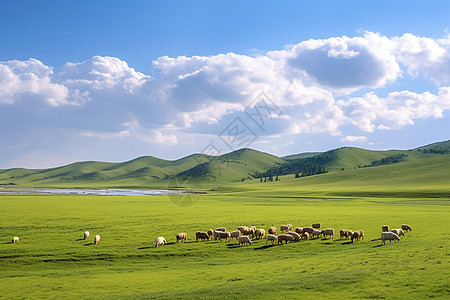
(406, 227)
(210, 233)
(159, 241)
(201, 235)
(309, 230)
(223, 229)
(328, 231)
(242, 229)
(15, 239)
(316, 233)
(357, 235)
(295, 235)
(285, 238)
(391, 236)
(182, 237)
(235, 234)
(86, 235)
(272, 230)
(398, 232)
(260, 233)
(96, 239)
(316, 226)
(216, 234)
(345, 233)
(299, 230)
(271, 237)
(385, 228)
(305, 236)
(224, 235)
(251, 231)
(244, 240)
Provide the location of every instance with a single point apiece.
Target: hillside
(240, 165)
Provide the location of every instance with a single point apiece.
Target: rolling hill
(241, 165)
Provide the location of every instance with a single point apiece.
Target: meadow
(51, 260)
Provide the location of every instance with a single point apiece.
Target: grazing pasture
(52, 260)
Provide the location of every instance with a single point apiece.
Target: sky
(115, 80)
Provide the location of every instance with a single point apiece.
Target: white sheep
(260, 233)
(159, 241)
(316, 233)
(385, 228)
(398, 232)
(272, 237)
(223, 229)
(328, 231)
(244, 240)
(96, 239)
(15, 239)
(295, 235)
(389, 236)
(235, 234)
(86, 235)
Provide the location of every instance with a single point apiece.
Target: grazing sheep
(201, 235)
(406, 227)
(389, 236)
(223, 229)
(285, 238)
(15, 239)
(398, 232)
(299, 230)
(224, 235)
(357, 235)
(242, 229)
(96, 239)
(235, 234)
(260, 233)
(309, 230)
(295, 235)
(182, 237)
(251, 231)
(328, 231)
(159, 241)
(385, 228)
(345, 233)
(271, 237)
(216, 234)
(86, 235)
(316, 225)
(210, 233)
(244, 240)
(305, 236)
(316, 233)
(272, 230)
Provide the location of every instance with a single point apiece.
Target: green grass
(51, 260)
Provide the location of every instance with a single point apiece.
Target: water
(109, 192)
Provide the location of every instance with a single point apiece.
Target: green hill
(237, 166)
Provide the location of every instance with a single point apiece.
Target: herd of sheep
(244, 234)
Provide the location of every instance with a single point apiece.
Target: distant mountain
(240, 165)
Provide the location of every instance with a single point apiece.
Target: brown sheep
(308, 230)
(299, 230)
(272, 230)
(225, 235)
(202, 236)
(242, 229)
(385, 228)
(260, 233)
(305, 236)
(295, 235)
(210, 233)
(316, 226)
(284, 228)
(182, 237)
(235, 234)
(345, 233)
(285, 238)
(328, 231)
(357, 235)
(406, 227)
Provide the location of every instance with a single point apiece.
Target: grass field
(52, 261)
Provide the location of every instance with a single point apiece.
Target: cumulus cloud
(354, 139)
(313, 83)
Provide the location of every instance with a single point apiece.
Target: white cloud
(354, 139)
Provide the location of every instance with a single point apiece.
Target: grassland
(52, 261)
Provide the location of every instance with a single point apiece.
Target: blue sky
(113, 80)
